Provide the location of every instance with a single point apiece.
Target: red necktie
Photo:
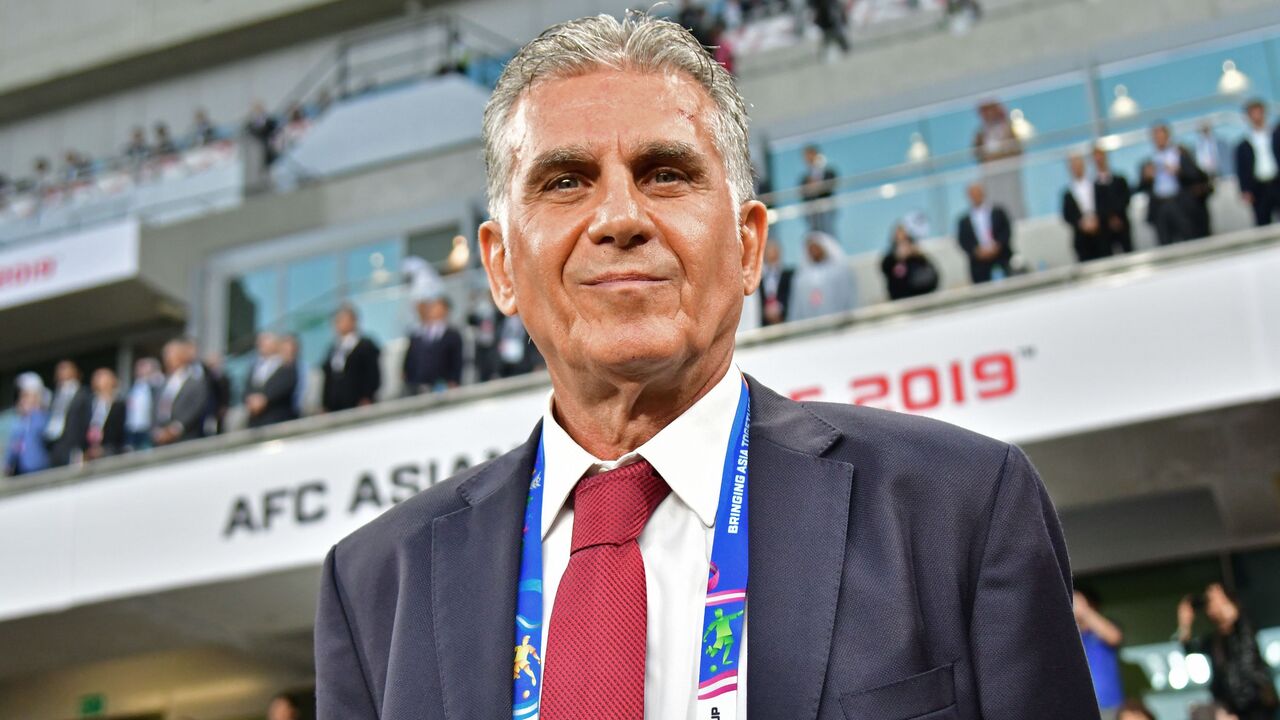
(596, 644)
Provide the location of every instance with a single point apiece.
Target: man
(433, 360)
(289, 353)
(219, 391)
(283, 707)
(68, 416)
(898, 567)
(817, 187)
(1257, 163)
(185, 401)
(1113, 196)
(1080, 211)
(269, 389)
(352, 374)
(105, 434)
(1101, 639)
(1175, 187)
(1241, 680)
(986, 236)
(140, 403)
(775, 286)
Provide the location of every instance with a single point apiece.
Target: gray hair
(636, 42)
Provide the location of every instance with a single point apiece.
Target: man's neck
(610, 419)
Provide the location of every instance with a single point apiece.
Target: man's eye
(567, 182)
(666, 176)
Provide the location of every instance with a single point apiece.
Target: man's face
(810, 157)
(977, 195)
(621, 247)
(1218, 606)
(280, 709)
(104, 381)
(344, 323)
(1076, 164)
(1100, 161)
(773, 254)
(1160, 136)
(65, 372)
(1257, 116)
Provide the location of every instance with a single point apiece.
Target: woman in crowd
(908, 272)
(1241, 680)
(26, 451)
(824, 281)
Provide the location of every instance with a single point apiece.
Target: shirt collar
(688, 453)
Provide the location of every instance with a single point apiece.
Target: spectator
(269, 388)
(722, 46)
(830, 18)
(1134, 710)
(484, 320)
(986, 236)
(26, 451)
(1080, 211)
(141, 403)
(908, 272)
(352, 374)
(293, 130)
(219, 391)
(164, 146)
(998, 148)
(1212, 155)
(261, 126)
(77, 167)
(1101, 639)
(202, 130)
(1241, 680)
(433, 361)
(1173, 185)
(137, 151)
(68, 416)
(817, 185)
(824, 281)
(1112, 195)
(517, 355)
(105, 434)
(42, 180)
(693, 17)
(289, 353)
(775, 286)
(185, 400)
(1258, 164)
(283, 707)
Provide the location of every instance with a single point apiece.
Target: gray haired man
(888, 566)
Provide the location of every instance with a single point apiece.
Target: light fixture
(888, 191)
(918, 151)
(1198, 668)
(1110, 143)
(1177, 671)
(1232, 81)
(1273, 653)
(1123, 106)
(1022, 128)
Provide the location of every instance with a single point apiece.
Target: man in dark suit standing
(986, 236)
(186, 400)
(269, 390)
(352, 374)
(105, 434)
(1258, 164)
(1080, 211)
(1112, 193)
(433, 360)
(68, 416)
(1176, 189)
(775, 286)
(817, 188)
(898, 567)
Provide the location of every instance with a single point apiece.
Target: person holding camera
(1241, 680)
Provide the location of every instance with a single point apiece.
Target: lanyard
(719, 646)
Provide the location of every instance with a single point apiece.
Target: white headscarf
(825, 287)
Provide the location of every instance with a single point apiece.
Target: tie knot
(612, 508)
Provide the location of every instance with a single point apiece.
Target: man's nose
(620, 217)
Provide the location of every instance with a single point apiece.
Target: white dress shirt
(980, 218)
(1264, 159)
(675, 544)
(1083, 191)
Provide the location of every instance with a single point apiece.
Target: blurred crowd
(184, 396)
(1240, 682)
(147, 155)
(1177, 181)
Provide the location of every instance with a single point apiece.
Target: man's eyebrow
(670, 152)
(557, 159)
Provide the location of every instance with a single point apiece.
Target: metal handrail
(1136, 265)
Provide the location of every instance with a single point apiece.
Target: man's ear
(753, 231)
(497, 264)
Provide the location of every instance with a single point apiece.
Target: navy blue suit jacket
(901, 568)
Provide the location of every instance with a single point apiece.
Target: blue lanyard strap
(723, 615)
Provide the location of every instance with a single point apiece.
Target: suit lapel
(475, 559)
(799, 503)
